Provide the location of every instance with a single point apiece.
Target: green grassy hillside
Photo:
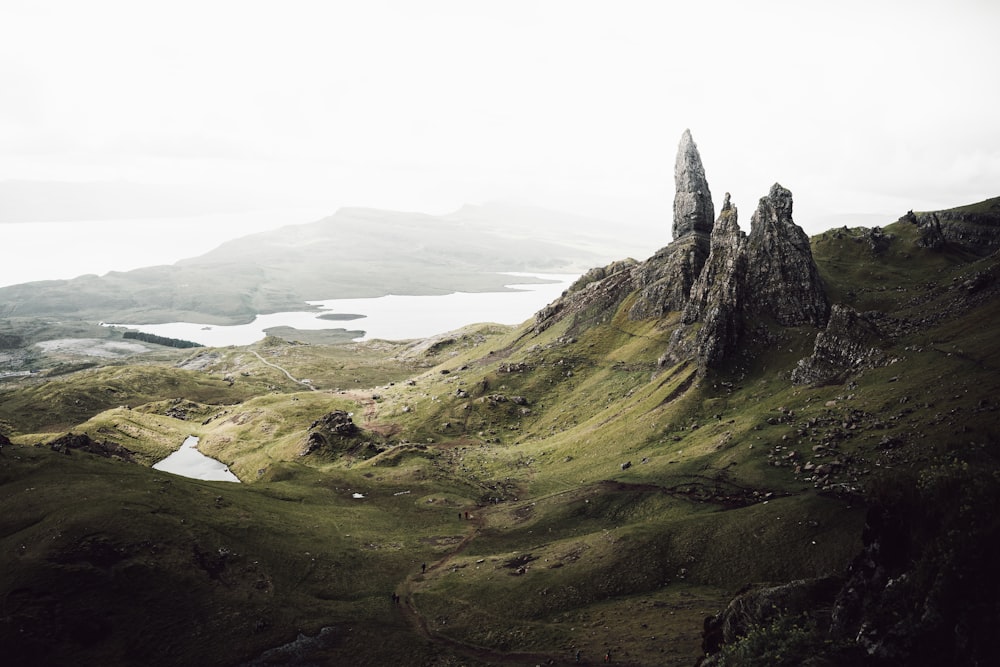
(528, 495)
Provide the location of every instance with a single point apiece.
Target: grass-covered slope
(527, 494)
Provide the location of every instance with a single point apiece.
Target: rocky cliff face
(666, 279)
(782, 276)
(716, 298)
(693, 209)
(975, 227)
(849, 343)
(719, 278)
(769, 274)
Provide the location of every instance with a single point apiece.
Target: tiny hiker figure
(423, 567)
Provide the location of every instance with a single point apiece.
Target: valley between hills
(749, 449)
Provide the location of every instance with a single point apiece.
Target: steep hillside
(790, 459)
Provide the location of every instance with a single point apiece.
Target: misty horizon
(570, 106)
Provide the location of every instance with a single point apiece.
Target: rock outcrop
(847, 344)
(665, 280)
(595, 294)
(782, 277)
(83, 442)
(975, 227)
(717, 297)
(719, 280)
(758, 606)
(769, 274)
(331, 429)
(693, 209)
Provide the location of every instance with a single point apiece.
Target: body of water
(187, 461)
(390, 317)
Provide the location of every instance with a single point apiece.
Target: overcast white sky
(856, 106)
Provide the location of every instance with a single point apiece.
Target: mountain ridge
(807, 477)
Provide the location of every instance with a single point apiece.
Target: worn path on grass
(419, 622)
(289, 375)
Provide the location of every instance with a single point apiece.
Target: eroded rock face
(782, 279)
(83, 442)
(333, 427)
(769, 273)
(666, 278)
(718, 295)
(693, 209)
(718, 279)
(595, 294)
(847, 344)
(977, 229)
(716, 299)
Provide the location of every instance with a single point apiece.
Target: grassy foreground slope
(527, 495)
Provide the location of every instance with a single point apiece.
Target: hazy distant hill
(354, 253)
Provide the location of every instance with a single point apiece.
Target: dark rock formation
(923, 590)
(337, 422)
(693, 209)
(666, 278)
(330, 428)
(847, 344)
(768, 274)
(83, 442)
(975, 227)
(721, 280)
(782, 278)
(718, 295)
(598, 292)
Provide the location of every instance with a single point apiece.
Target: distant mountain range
(355, 253)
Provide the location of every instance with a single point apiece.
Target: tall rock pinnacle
(785, 281)
(693, 208)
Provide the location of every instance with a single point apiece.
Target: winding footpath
(287, 374)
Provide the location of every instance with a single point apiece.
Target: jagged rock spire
(785, 283)
(716, 298)
(693, 208)
(720, 278)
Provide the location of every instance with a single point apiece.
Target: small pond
(187, 461)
